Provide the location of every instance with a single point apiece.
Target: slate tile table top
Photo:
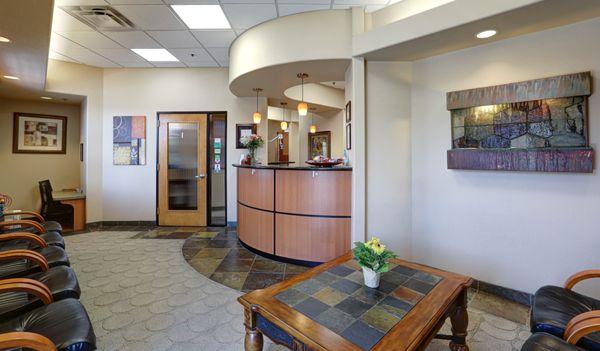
(329, 308)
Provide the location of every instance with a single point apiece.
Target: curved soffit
(317, 94)
(270, 55)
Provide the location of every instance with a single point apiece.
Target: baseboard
(507, 293)
(102, 224)
(232, 224)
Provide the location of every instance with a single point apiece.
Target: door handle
(201, 176)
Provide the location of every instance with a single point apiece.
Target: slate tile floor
(216, 253)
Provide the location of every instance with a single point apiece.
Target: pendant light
(284, 124)
(313, 127)
(302, 106)
(257, 116)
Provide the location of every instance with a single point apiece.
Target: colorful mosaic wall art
(549, 123)
(129, 140)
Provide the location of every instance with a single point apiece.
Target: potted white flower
(373, 258)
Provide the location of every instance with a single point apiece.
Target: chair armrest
(24, 223)
(29, 286)
(583, 275)
(37, 216)
(29, 255)
(34, 238)
(582, 325)
(28, 340)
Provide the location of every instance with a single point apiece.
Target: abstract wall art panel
(538, 125)
(129, 140)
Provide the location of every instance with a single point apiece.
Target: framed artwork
(39, 134)
(349, 136)
(349, 112)
(319, 144)
(129, 140)
(243, 130)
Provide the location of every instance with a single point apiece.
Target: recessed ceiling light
(156, 55)
(486, 34)
(11, 77)
(202, 16)
(4, 40)
(46, 97)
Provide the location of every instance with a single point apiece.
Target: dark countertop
(298, 168)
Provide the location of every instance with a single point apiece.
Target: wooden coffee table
(329, 308)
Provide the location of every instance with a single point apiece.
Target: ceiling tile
(305, 2)
(214, 38)
(78, 2)
(151, 17)
(248, 15)
(223, 63)
(135, 2)
(185, 55)
(91, 40)
(210, 63)
(56, 56)
(120, 55)
(175, 39)
(77, 52)
(168, 64)
(360, 2)
(341, 7)
(136, 64)
(290, 9)
(133, 40)
(191, 2)
(248, 1)
(220, 54)
(63, 22)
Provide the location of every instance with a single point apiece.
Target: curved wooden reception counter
(295, 213)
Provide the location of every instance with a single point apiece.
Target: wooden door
(182, 169)
(284, 147)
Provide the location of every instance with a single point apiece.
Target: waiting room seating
(49, 226)
(54, 210)
(51, 238)
(558, 311)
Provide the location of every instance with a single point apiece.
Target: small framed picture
(242, 130)
(348, 112)
(39, 134)
(348, 136)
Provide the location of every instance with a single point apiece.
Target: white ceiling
(157, 26)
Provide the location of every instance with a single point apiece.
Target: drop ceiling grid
(112, 49)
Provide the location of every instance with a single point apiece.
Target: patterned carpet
(142, 295)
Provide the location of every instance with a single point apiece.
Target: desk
(77, 201)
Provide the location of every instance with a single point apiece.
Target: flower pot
(371, 277)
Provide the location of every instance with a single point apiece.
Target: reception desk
(302, 214)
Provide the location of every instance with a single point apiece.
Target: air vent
(103, 18)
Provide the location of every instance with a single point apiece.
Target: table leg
(460, 321)
(254, 338)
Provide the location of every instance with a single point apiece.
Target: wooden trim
(582, 325)
(27, 213)
(583, 275)
(29, 286)
(34, 238)
(32, 256)
(24, 223)
(16, 150)
(28, 340)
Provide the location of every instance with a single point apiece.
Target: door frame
(208, 169)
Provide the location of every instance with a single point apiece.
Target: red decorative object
(324, 164)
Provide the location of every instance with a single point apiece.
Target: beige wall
(516, 229)
(332, 121)
(22, 172)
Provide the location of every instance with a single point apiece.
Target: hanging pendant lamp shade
(302, 106)
(257, 117)
(313, 128)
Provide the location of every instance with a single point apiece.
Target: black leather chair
(18, 263)
(555, 308)
(51, 238)
(64, 325)
(54, 210)
(547, 342)
(49, 226)
(21, 295)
